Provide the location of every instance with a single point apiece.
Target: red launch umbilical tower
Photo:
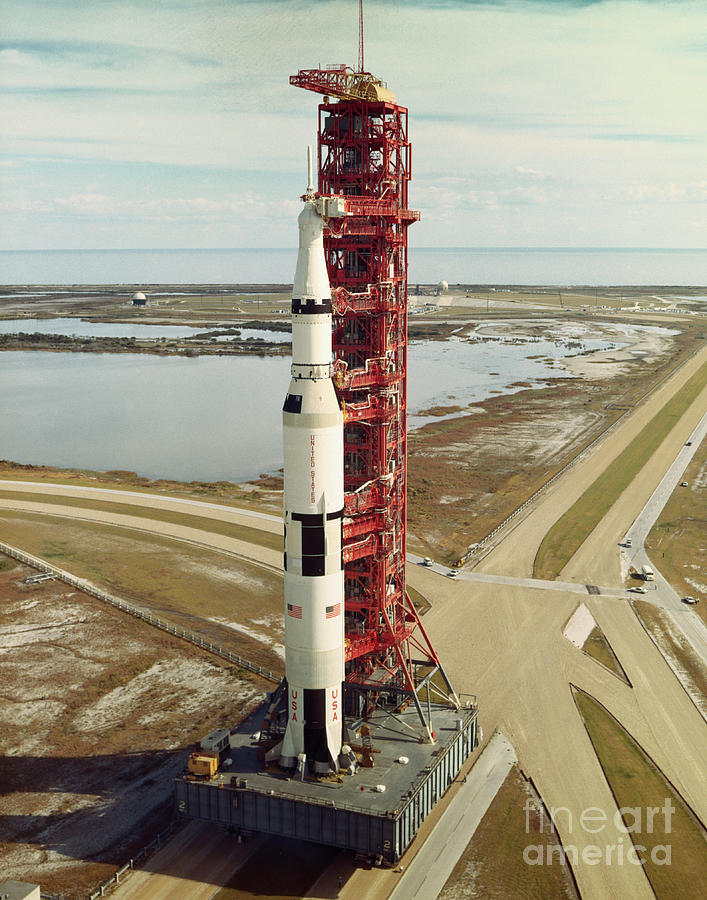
(364, 157)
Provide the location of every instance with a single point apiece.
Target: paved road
(192, 866)
(210, 540)
(536, 584)
(433, 865)
(661, 591)
(271, 559)
(221, 511)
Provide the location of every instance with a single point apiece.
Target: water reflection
(216, 418)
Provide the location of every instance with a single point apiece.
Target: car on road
(690, 600)
(639, 590)
(688, 443)
(628, 542)
(426, 562)
(453, 573)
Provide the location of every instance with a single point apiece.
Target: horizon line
(293, 249)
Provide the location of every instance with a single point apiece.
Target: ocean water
(456, 265)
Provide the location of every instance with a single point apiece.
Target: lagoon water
(82, 328)
(216, 418)
(428, 265)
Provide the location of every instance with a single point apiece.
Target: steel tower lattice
(364, 157)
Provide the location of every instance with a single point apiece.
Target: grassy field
(204, 523)
(636, 782)
(674, 645)
(676, 542)
(571, 530)
(193, 587)
(227, 492)
(419, 601)
(492, 866)
(599, 649)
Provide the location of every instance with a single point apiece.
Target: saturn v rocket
(313, 511)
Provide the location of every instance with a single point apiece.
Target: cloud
(180, 112)
(634, 137)
(91, 205)
(668, 192)
(445, 198)
(524, 171)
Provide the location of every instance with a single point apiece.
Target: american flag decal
(294, 611)
(333, 611)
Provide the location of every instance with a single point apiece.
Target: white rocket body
(314, 501)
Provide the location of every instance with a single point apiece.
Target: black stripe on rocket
(315, 737)
(311, 307)
(313, 540)
(293, 403)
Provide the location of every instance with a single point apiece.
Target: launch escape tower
(364, 156)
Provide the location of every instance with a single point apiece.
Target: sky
(172, 124)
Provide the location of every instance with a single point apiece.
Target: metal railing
(142, 614)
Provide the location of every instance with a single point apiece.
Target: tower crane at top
(343, 82)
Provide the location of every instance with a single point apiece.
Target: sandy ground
(579, 627)
(192, 876)
(97, 711)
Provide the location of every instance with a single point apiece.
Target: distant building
(18, 890)
(139, 299)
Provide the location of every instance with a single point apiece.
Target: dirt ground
(97, 713)
(498, 452)
(228, 600)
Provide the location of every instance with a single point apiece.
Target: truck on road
(648, 573)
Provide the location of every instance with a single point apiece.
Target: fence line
(130, 864)
(85, 586)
